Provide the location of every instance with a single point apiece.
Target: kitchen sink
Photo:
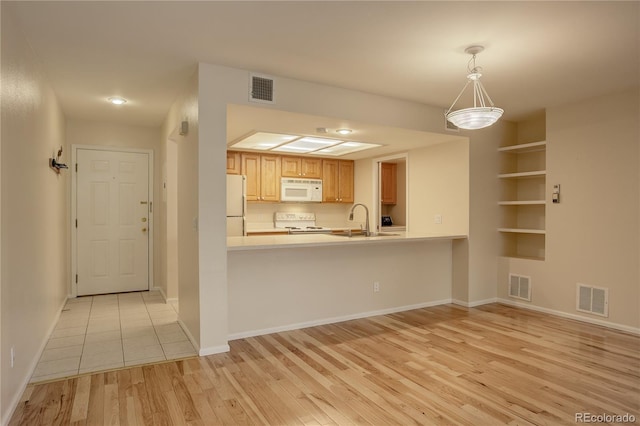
(358, 234)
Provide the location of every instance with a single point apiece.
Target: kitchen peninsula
(287, 282)
(279, 241)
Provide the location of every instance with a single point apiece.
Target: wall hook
(55, 164)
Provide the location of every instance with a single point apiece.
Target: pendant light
(480, 115)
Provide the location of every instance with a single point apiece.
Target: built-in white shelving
(523, 180)
(523, 203)
(523, 230)
(525, 147)
(521, 175)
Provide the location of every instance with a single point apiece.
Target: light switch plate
(555, 196)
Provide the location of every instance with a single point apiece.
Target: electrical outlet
(376, 286)
(13, 355)
(437, 219)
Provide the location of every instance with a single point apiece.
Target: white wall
(83, 132)
(260, 215)
(439, 185)
(35, 252)
(220, 86)
(279, 289)
(483, 242)
(180, 233)
(170, 225)
(184, 108)
(364, 191)
(592, 235)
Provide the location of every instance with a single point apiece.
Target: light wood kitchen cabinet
(389, 183)
(233, 163)
(270, 171)
(337, 181)
(302, 167)
(251, 169)
(263, 176)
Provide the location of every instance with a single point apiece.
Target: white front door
(112, 211)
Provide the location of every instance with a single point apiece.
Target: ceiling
(242, 120)
(538, 54)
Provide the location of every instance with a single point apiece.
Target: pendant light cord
(460, 94)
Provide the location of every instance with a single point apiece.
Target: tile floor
(97, 333)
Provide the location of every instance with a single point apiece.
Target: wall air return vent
(593, 300)
(450, 126)
(520, 287)
(261, 89)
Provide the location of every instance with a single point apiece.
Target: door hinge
(76, 278)
(76, 223)
(150, 206)
(76, 167)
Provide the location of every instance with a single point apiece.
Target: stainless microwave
(301, 190)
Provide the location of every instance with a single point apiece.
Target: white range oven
(298, 223)
(301, 190)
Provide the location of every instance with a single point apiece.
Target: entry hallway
(442, 365)
(96, 333)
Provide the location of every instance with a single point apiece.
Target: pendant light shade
(480, 115)
(475, 118)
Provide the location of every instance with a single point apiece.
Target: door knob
(144, 219)
(144, 229)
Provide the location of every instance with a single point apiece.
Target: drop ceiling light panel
(264, 141)
(306, 145)
(281, 142)
(345, 148)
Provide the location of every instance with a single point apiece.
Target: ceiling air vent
(593, 300)
(520, 287)
(261, 89)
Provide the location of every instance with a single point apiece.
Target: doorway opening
(391, 189)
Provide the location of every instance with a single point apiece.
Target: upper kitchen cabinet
(233, 163)
(302, 167)
(337, 181)
(389, 183)
(263, 176)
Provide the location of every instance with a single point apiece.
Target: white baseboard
(214, 350)
(581, 318)
(324, 321)
(161, 291)
(32, 367)
(203, 351)
(192, 339)
(474, 304)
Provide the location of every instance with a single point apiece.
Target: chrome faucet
(367, 231)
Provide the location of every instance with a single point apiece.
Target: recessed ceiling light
(117, 100)
(344, 131)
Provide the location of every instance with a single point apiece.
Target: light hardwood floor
(443, 365)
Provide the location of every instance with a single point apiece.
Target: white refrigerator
(236, 205)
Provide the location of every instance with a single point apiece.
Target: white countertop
(266, 230)
(319, 240)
